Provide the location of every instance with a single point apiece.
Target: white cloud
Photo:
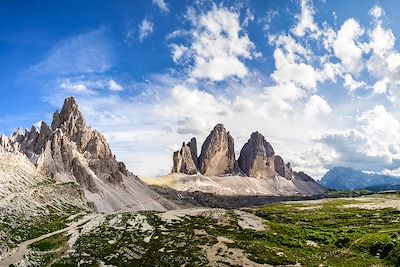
(346, 47)
(144, 129)
(289, 71)
(249, 17)
(384, 63)
(178, 52)
(145, 29)
(218, 45)
(316, 106)
(351, 84)
(74, 88)
(380, 87)
(281, 98)
(162, 5)
(306, 21)
(114, 86)
(373, 144)
(376, 12)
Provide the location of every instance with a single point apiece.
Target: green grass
(51, 243)
(327, 234)
(344, 236)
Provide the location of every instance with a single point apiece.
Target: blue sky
(318, 78)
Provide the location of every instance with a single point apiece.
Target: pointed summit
(72, 123)
(185, 159)
(217, 153)
(70, 117)
(257, 157)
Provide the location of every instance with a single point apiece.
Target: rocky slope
(31, 202)
(257, 171)
(71, 151)
(342, 178)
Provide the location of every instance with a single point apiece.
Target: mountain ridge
(70, 151)
(258, 170)
(345, 178)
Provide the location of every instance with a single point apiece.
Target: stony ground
(361, 231)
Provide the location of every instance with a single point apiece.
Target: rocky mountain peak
(70, 151)
(282, 168)
(217, 153)
(185, 160)
(257, 157)
(70, 119)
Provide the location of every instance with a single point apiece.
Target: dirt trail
(23, 247)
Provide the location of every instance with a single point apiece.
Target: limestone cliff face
(257, 157)
(217, 153)
(69, 150)
(185, 160)
(283, 169)
(72, 149)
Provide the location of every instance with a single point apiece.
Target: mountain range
(342, 178)
(257, 171)
(70, 151)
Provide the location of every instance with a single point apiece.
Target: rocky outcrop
(217, 153)
(185, 160)
(283, 169)
(69, 150)
(217, 158)
(257, 157)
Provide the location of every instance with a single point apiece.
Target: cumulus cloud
(162, 5)
(312, 65)
(316, 106)
(351, 84)
(287, 70)
(380, 87)
(145, 29)
(373, 145)
(346, 46)
(74, 88)
(306, 21)
(218, 44)
(384, 63)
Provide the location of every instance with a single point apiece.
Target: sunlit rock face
(257, 157)
(185, 160)
(282, 168)
(70, 150)
(217, 153)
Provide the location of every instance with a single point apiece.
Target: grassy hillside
(329, 232)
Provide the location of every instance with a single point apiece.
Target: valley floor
(363, 231)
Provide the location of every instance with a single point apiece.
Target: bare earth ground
(236, 185)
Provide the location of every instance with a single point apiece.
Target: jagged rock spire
(185, 160)
(217, 153)
(70, 117)
(283, 169)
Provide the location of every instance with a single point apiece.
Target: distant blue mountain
(347, 179)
